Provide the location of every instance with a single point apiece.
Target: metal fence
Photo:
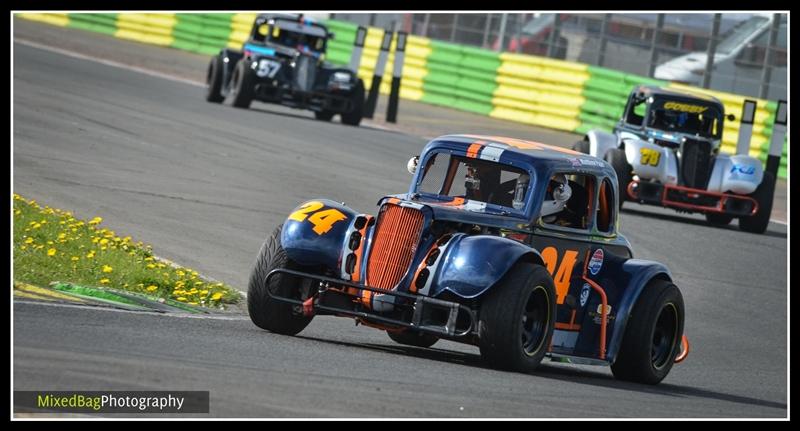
(750, 50)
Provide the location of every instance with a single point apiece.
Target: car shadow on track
(573, 375)
(697, 222)
(311, 118)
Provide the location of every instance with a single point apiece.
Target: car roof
(532, 152)
(651, 90)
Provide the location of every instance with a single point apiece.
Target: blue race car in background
(282, 62)
(509, 245)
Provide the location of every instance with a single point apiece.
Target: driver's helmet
(481, 180)
(674, 119)
(558, 193)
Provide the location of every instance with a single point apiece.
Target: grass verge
(51, 245)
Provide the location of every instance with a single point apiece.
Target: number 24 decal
(562, 276)
(322, 220)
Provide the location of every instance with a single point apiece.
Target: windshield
(476, 180)
(736, 36)
(300, 41)
(688, 117)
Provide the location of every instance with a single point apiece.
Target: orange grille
(394, 244)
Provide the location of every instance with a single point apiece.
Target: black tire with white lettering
(265, 311)
(242, 85)
(764, 195)
(653, 335)
(354, 116)
(517, 318)
(214, 80)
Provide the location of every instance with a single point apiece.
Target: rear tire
(764, 195)
(214, 80)
(653, 335)
(718, 219)
(353, 118)
(616, 158)
(266, 312)
(581, 147)
(242, 83)
(517, 318)
(416, 339)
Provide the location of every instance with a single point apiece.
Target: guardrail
(529, 89)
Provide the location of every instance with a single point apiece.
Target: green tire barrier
(535, 90)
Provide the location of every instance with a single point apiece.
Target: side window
(568, 201)
(636, 113)
(605, 207)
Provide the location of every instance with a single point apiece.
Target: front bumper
(414, 312)
(692, 200)
(314, 100)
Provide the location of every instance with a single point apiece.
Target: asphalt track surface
(205, 184)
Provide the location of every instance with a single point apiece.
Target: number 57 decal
(322, 220)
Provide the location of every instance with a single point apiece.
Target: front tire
(517, 319)
(764, 195)
(353, 118)
(266, 312)
(653, 335)
(416, 339)
(214, 80)
(242, 83)
(616, 158)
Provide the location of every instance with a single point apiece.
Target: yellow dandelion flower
(90, 254)
(51, 252)
(24, 247)
(29, 240)
(151, 288)
(204, 292)
(36, 225)
(103, 241)
(62, 236)
(180, 273)
(107, 268)
(150, 266)
(216, 296)
(96, 220)
(149, 259)
(197, 283)
(75, 258)
(181, 298)
(104, 281)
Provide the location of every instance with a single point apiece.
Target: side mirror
(412, 164)
(731, 117)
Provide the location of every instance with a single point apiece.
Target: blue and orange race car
(506, 244)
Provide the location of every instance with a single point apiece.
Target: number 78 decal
(322, 220)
